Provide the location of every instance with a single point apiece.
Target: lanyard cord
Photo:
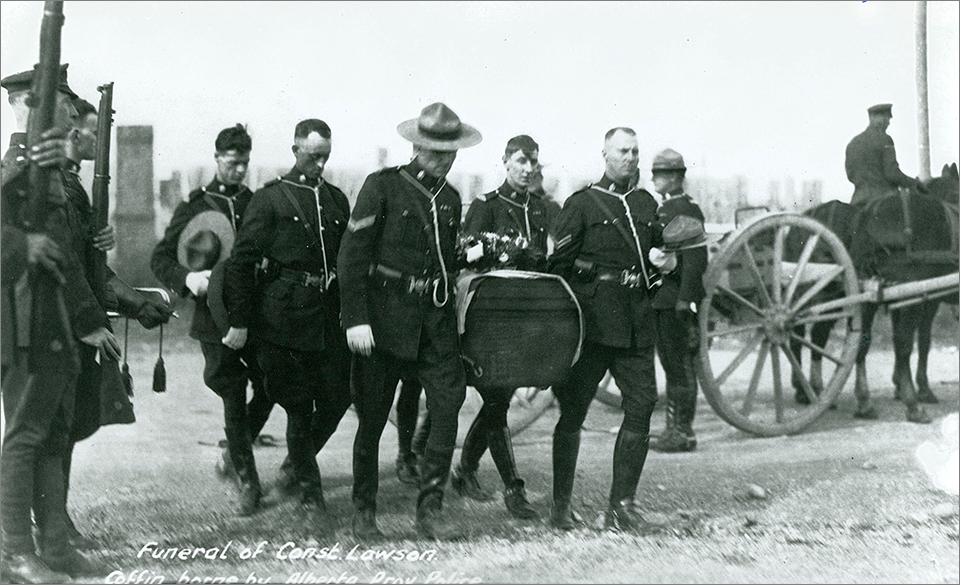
(435, 220)
(327, 277)
(436, 240)
(636, 237)
(525, 207)
(633, 228)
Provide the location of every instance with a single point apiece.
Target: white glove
(197, 282)
(235, 338)
(474, 253)
(360, 339)
(665, 261)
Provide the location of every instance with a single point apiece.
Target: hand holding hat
(666, 262)
(198, 282)
(684, 232)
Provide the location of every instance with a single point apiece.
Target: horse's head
(946, 187)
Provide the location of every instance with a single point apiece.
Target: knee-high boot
(629, 456)
(464, 478)
(240, 447)
(53, 537)
(431, 524)
(514, 495)
(566, 448)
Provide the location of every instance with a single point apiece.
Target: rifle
(52, 348)
(101, 189)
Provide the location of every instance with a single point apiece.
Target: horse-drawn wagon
(776, 286)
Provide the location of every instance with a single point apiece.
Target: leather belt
(625, 277)
(408, 283)
(302, 278)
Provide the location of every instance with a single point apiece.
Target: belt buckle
(628, 279)
(311, 279)
(416, 285)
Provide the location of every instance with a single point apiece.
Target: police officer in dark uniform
(292, 231)
(675, 302)
(39, 395)
(226, 371)
(604, 234)
(113, 295)
(511, 207)
(397, 264)
(871, 160)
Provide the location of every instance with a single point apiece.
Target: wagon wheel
(772, 277)
(526, 406)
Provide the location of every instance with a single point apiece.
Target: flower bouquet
(496, 251)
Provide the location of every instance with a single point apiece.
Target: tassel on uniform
(159, 370)
(125, 370)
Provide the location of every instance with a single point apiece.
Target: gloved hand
(665, 261)
(197, 282)
(360, 339)
(235, 338)
(154, 313)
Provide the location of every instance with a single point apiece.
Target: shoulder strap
(613, 219)
(296, 205)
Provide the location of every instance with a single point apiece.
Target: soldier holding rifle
(46, 301)
(97, 388)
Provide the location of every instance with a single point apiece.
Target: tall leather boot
(672, 440)
(53, 538)
(629, 456)
(566, 448)
(19, 562)
(304, 462)
(431, 524)
(514, 495)
(77, 539)
(464, 478)
(240, 450)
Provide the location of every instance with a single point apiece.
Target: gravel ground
(845, 501)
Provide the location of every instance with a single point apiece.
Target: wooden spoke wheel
(767, 290)
(526, 406)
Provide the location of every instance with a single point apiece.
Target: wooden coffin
(518, 328)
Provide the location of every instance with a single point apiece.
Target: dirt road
(846, 501)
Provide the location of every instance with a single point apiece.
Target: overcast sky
(763, 89)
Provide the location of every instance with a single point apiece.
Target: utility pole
(923, 109)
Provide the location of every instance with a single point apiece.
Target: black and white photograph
(480, 292)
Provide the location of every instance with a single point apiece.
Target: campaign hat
(439, 128)
(684, 232)
(668, 160)
(205, 241)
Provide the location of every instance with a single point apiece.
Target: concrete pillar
(133, 216)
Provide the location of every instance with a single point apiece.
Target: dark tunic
(390, 227)
(615, 315)
(685, 282)
(281, 311)
(871, 164)
(506, 209)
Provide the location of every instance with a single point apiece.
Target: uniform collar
(608, 184)
(416, 171)
(215, 187)
(508, 192)
(296, 176)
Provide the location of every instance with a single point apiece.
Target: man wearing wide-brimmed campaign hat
(396, 277)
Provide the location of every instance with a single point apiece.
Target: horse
(878, 242)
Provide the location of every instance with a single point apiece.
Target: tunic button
(56, 346)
